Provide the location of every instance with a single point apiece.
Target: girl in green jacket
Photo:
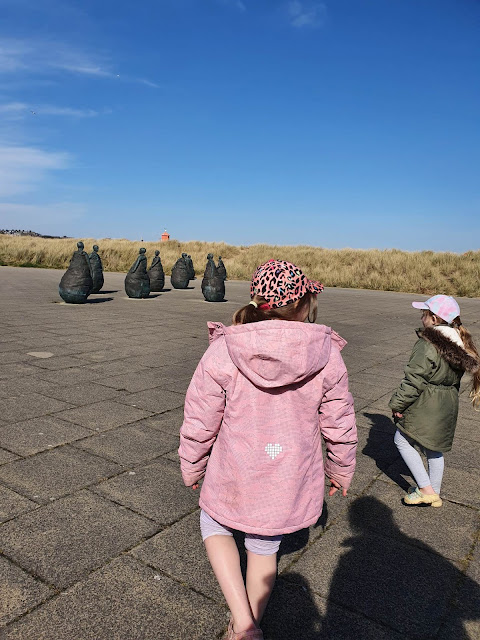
(425, 405)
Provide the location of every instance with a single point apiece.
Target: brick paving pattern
(99, 539)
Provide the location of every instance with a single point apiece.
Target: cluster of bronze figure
(85, 276)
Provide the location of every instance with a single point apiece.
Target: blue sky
(339, 123)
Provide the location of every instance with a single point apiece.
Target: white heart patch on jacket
(273, 450)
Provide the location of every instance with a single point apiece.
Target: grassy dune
(389, 270)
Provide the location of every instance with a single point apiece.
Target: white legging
(414, 462)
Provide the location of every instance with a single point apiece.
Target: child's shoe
(252, 634)
(415, 496)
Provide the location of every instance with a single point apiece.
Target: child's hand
(396, 414)
(195, 486)
(334, 487)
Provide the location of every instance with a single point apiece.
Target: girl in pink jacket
(265, 393)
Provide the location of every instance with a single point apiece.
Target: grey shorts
(261, 545)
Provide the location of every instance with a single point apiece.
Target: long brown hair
(250, 313)
(471, 349)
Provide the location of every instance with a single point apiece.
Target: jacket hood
(277, 353)
(452, 352)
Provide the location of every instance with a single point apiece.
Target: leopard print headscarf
(281, 283)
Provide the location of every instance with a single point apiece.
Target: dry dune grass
(390, 270)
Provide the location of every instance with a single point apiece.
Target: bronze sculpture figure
(221, 270)
(76, 283)
(191, 268)
(180, 273)
(213, 285)
(137, 282)
(156, 273)
(97, 269)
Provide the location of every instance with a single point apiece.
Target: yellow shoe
(417, 497)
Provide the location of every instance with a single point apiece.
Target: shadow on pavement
(385, 586)
(98, 300)
(381, 448)
(293, 542)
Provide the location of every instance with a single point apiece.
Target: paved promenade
(99, 538)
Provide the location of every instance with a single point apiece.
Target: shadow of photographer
(386, 585)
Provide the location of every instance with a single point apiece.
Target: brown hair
(250, 313)
(471, 349)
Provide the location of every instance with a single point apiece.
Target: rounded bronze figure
(76, 283)
(97, 269)
(156, 273)
(180, 273)
(221, 270)
(191, 268)
(137, 282)
(213, 285)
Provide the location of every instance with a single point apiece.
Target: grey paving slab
(141, 381)
(394, 573)
(101, 416)
(12, 504)
(369, 386)
(461, 485)
(84, 393)
(11, 346)
(464, 619)
(124, 601)
(16, 369)
(156, 491)
(465, 455)
(155, 400)
(377, 453)
(63, 541)
(55, 473)
(294, 611)
(169, 421)
(14, 357)
(119, 367)
(294, 544)
(179, 386)
(450, 531)
(7, 456)
(67, 377)
(31, 436)
(180, 553)
(130, 444)
(18, 591)
(173, 456)
(32, 405)
(58, 362)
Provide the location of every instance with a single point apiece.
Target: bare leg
(223, 555)
(261, 576)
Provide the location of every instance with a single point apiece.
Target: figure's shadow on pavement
(107, 292)
(385, 585)
(381, 448)
(294, 542)
(98, 300)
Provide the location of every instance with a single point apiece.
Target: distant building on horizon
(165, 236)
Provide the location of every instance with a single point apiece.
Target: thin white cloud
(306, 14)
(23, 168)
(21, 109)
(49, 57)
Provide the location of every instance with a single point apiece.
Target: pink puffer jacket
(259, 401)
